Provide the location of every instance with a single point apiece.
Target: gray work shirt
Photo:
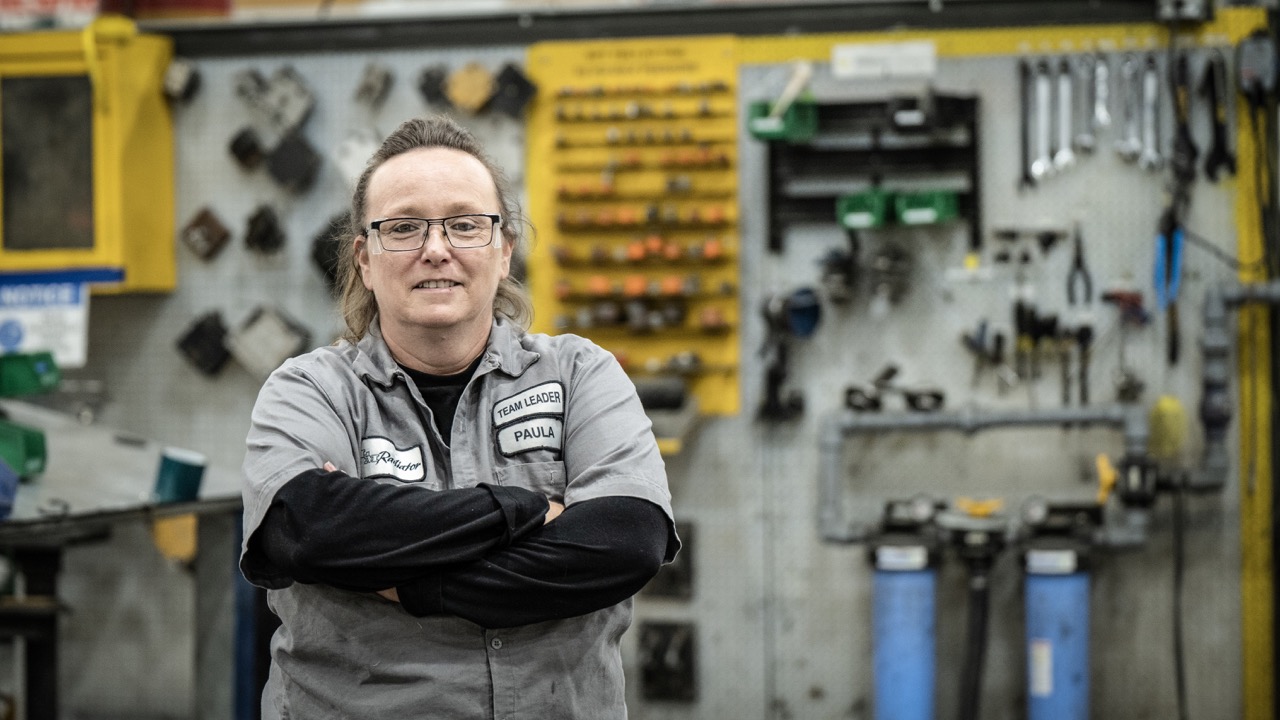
(556, 415)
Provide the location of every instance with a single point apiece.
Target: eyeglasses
(406, 233)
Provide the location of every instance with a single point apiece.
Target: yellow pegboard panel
(632, 182)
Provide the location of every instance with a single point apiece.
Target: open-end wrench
(1101, 92)
(1042, 165)
(1129, 144)
(1064, 157)
(1150, 159)
(1024, 101)
(1085, 139)
(1213, 87)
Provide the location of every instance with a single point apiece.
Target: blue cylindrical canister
(903, 607)
(1057, 610)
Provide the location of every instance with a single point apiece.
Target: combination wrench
(1150, 159)
(1064, 157)
(1042, 165)
(1129, 144)
(1085, 139)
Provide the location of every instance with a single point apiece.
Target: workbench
(94, 478)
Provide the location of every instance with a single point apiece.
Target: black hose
(976, 642)
(1179, 561)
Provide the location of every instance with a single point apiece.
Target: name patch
(380, 457)
(539, 400)
(545, 433)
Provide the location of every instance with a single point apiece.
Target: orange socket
(672, 251)
(712, 249)
(563, 289)
(653, 244)
(672, 285)
(628, 216)
(634, 286)
(711, 318)
(598, 285)
(635, 251)
(713, 214)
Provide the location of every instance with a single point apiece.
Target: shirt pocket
(544, 478)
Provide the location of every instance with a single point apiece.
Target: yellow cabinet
(87, 144)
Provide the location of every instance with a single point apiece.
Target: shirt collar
(505, 352)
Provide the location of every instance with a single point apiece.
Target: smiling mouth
(436, 285)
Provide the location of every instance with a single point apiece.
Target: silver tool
(1101, 92)
(1129, 144)
(1065, 157)
(1042, 165)
(1085, 140)
(1150, 159)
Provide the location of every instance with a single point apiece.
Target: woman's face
(438, 286)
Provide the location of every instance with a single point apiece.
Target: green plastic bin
(797, 124)
(22, 448)
(28, 374)
(864, 210)
(925, 208)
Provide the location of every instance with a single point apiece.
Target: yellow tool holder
(127, 221)
(632, 178)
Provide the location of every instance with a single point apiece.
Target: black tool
(1214, 81)
(1079, 275)
(1024, 99)
(1185, 151)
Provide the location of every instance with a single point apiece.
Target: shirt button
(496, 644)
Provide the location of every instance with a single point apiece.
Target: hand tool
(1064, 157)
(1212, 85)
(1024, 100)
(1185, 151)
(1129, 145)
(1085, 139)
(1080, 279)
(1042, 165)
(1168, 277)
(1101, 92)
(1150, 159)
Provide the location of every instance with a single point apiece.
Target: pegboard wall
(781, 618)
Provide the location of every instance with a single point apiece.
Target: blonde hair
(356, 302)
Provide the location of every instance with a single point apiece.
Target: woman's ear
(361, 252)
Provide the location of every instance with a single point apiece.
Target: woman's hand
(553, 511)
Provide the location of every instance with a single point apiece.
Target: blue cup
(178, 478)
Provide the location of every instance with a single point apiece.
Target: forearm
(596, 554)
(329, 527)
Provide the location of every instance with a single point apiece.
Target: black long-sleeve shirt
(480, 553)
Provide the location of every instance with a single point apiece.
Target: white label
(545, 433)
(884, 60)
(858, 219)
(52, 317)
(766, 124)
(901, 557)
(1041, 670)
(380, 457)
(544, 399)
(1051, 562)
(919, 216)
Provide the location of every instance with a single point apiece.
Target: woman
(450, 514)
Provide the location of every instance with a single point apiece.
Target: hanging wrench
(1101, 92)
(1085, 141)
(1024, 103)
(1064, 157)
(1042, 165)
(1129, 145)
(1150, 159)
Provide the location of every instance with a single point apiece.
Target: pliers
(1168, 263)
(1079, 273)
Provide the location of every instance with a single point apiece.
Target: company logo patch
(380, 457)
(537, 401)
(544, 433)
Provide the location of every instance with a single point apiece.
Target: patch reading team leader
(532, 419)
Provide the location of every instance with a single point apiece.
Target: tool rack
(858, 147)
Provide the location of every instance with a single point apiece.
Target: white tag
(901, 557)
(1051, 562)
(545, 433)
(1041, 657)
(379, 456)
(874, 61)
(544, 399)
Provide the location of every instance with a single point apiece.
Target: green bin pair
(875, 208)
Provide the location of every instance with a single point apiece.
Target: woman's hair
(356, 302)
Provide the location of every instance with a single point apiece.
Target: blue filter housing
(903, 607)
(1057, 610)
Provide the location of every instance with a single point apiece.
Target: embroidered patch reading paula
(380, 457)
(543, 433)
